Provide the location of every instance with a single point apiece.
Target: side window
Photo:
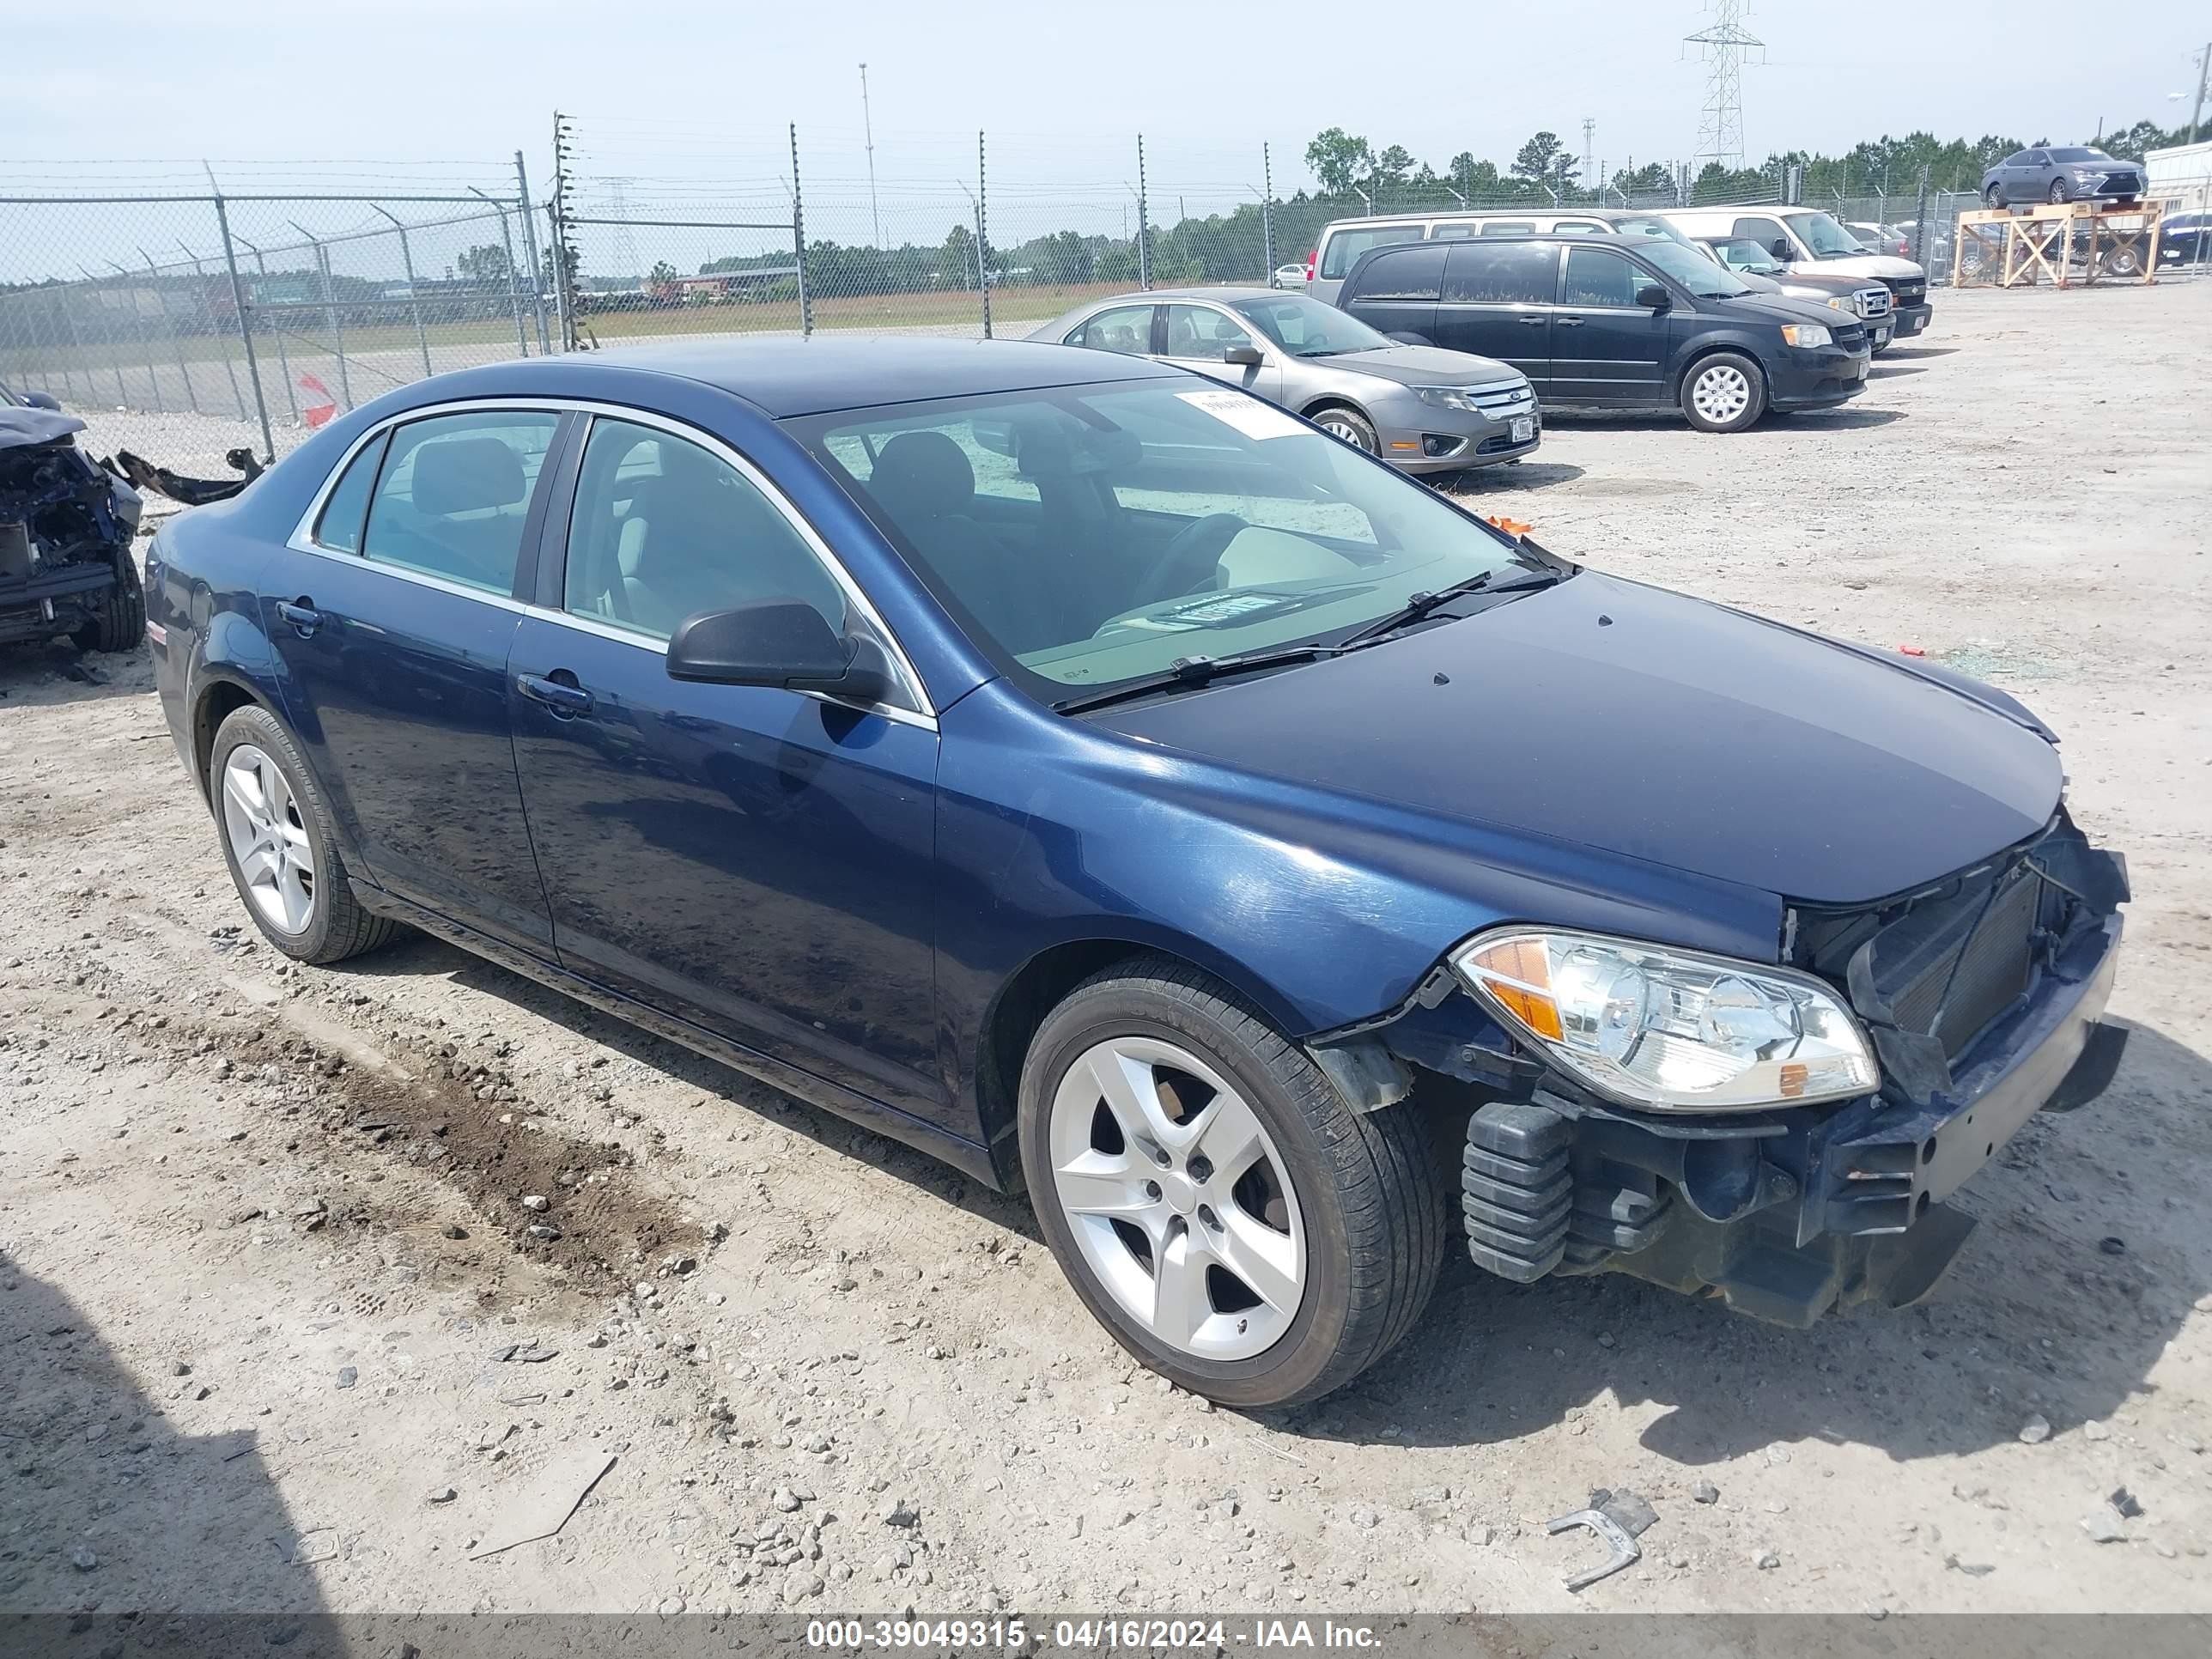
(453, 494)
(1125, 329)
(1450, 233)
(1598, 277)
(1509, 228)
(1765, 232)
(1501, 273)
(2017, 159)
(2038, 158)
(1345, 248)
(1201, 334)
(663, 528)
(1578, 227)
(338, 526)
(1414, 273)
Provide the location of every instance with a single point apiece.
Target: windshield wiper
(1195, 671)
(1422, 605)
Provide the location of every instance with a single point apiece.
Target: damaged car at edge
(65, 531)
(1114, 786)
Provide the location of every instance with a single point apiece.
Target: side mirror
(780, 642)
(1654, 297)
(1780, 248)
(1247, 356)
(45, 400)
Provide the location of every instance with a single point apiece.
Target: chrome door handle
(566, 701)
(1533, 322)
(1568, 322)
(301, 614)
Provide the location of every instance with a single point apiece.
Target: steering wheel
(1189, 561)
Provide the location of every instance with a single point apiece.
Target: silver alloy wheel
(1178, 1199)
(1722, 392)
(1343, 430)
(269, 840)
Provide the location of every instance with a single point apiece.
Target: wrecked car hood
(1651, 724)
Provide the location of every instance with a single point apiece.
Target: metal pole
(68, 328)
(868, 134)
(115, 357)
(530, 252)
(982, 237)
(2196, 112)
(514, 293)
(1267, 214)
(330, 310)
(207, 311)
(1144, 221)
(283, 357)
(191, 394)
(245, 332)
(413, 299)
(557, 215)
(798, 240)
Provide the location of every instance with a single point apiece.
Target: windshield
(1827, 239)
(1087, 536)
(1647, 224)
(1694, 272)
(2079, 156)
(1744, 254)
(1307, 328)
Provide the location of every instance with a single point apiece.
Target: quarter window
(663, 529)
(338, 528)
(1501, 273)
(1597, 276)
(454, 494)
(1125, 329)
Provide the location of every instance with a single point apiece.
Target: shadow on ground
(113, 1508)
(32, 675)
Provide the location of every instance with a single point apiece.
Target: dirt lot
(274, 1332)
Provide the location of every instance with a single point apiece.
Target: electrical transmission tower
(1726, 45)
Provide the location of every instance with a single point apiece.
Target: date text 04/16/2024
(1107, 1635)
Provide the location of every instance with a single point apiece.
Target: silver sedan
(1420, 407)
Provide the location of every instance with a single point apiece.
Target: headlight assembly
(1445, 397)
(1670, 1030)
(1805, 335)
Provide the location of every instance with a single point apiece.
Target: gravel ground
(278, 1334)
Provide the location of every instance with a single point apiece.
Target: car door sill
(970, 1158)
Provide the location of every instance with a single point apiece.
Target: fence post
(983, 238)
(1920, 223)
(245, 331)
(798, 240)
(207, 313)
(514, 293)
(192, 393)
(283, 357)
(1267, 215)
(115, 355)
(68, 328)
(413, 299)
(330, 310)
(530, 250)
(1144, 223)
(557, 214)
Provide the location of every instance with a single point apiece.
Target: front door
(1199, 338)
(1498, 302)
(392, 637)
(1607, 349)
(756, 862)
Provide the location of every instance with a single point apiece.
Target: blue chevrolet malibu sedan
(1110, 783)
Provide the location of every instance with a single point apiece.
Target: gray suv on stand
(1422, 409)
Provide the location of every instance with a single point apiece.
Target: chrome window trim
(301, 540)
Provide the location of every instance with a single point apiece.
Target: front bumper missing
(1789, 1214)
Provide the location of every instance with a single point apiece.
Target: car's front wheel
(2060, 191)
(276, 840)
(1348, 425)
(1214, 1201)
(118, 621)
(1724, 392)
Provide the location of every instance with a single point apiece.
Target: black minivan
(1615, 323)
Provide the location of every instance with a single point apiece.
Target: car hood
(1652, 725)
(1413, 365)
(1886, 266)
(1777, 307)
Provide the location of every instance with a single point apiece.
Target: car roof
(787, 377)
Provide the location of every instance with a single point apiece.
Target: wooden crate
(1998, 248)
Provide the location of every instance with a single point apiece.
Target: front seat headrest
(467, 475)
(922, 475)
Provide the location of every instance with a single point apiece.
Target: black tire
(1369, 1185)
(118, 621)
(1350, 427)
(1719, 363)
(2121, 263)
(337, 926)
(1993, 195)
(2060, 191)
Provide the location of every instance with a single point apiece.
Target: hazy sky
(668, 90)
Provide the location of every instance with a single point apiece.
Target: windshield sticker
(1248, 414)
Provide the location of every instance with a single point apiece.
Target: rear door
(391, 615)
(1397, 290)
(1606, 349)
(1497, 302)
(756, 862)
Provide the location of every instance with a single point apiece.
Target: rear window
(1345, 246)
(1410, 273)
(1501, 273)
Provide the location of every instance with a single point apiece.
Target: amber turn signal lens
(1517, 972)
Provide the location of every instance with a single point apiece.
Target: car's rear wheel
(1214, 1200)
(119, 621)
(276, 841)
(1995, 197)
(1724, 392)
(1349, 425)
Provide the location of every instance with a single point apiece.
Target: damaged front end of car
(65, 533)
(1782, 1135)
